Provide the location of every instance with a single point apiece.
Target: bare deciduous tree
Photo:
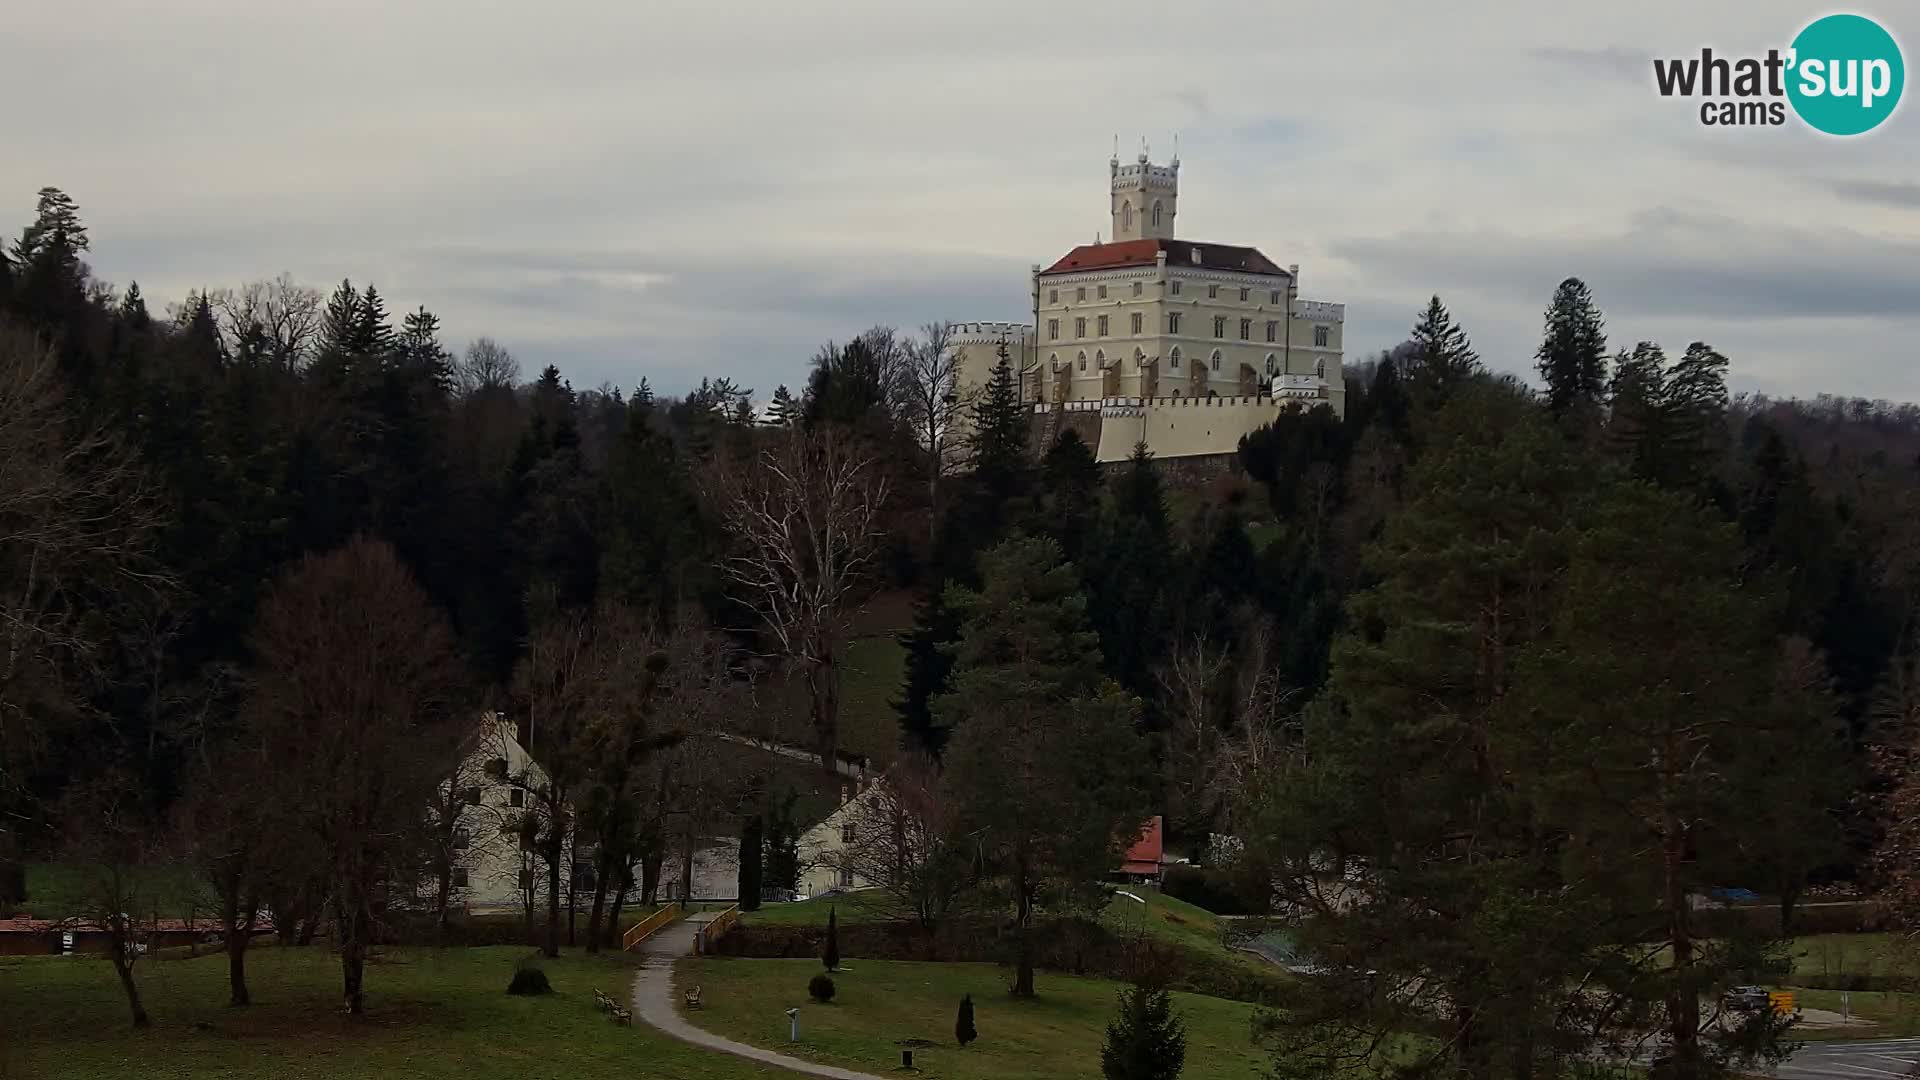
(283, 313)
(1191, 683)
(935, 404)
(112, 844)
(363, 706)
(77, 517)
(804, 516)
(901, 838)
(487, 365)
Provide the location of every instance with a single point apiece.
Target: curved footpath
(653, 1003)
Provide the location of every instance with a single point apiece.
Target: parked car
(1746, 999)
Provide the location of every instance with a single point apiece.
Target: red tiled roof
(1144, 856)
(1179, 253)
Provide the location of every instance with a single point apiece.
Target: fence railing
(640, 930)
(712, 932)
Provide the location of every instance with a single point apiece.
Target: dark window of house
(516, 797)
(459, 877)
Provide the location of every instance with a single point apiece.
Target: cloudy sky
(637, 187)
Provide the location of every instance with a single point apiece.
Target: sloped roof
(1245, 260)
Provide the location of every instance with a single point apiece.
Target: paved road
(1854, 1059)
(653, 1003)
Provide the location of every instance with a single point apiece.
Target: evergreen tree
(372, 335)
(1440, 357)
(1045, 766)
(1572, 358)
(653, 532)
(928, 666)
(784, 410)
(963, 1030)
(1139, 494)
(831, 955)
(1146, 1040)
(999, 437)
(1668, 420)
(1127, 582)
(133, 308)
(338, 323)
(1069, 492)
(752, 846)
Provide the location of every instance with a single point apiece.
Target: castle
(1182, 345)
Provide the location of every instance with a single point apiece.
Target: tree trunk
(823, 691)
(595, 933)
(351, 923)
(237, 967)
(123, 967)
(686, 867)
(650, 877)
(553, 903)
(443, 893)
(1023, 933)
(619, 903)
(309, 926)
(570, 903)
(1683, 1005)
(1789, 900)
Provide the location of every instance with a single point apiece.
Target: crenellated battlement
(988, 333)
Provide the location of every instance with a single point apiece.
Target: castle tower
(1145, 197)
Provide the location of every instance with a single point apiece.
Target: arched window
(1053, 361)
(1176, 392)
(1100, 358)
(1273, 366)
(1216, 359)
(1320, 367)
(1173, 358)
(1083, 361)
(1139, 359)
(1126, 215)
(1156, 214)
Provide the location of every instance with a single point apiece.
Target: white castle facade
(1183, 345)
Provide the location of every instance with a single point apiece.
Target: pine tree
(929, 665)
(1045, 765)
(963, 1029)
(1440, 357)
(1668, 420)
(428, 363)
(752, 841)
(133, 308)
(1146, 1040)
(372, 335)
(337, 324)
(1139, 494)
(999, 436)
(831, 956)
(1069, 492)
(1572, 357)
(784, 410)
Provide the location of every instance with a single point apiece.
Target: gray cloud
(684, 190)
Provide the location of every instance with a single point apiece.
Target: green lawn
(431, 1014)
(1850, 954)
(878, 1004)
(58, 891)
(1161, 917)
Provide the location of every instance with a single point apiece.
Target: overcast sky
(632, 187)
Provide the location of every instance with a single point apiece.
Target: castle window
(1080, 327)
(1173, 322)
(1136, 288)
(1243, 296)
(1246, 329)
(1213, 292)
(1273, 366)
(1053, 296)
(1216, 359)
(1274, 298)
(1173, 360)
(1126, 215)
(1320, 337)
(1083, 361)
(1273, 331)
(1176, 288)
(1320, 367)
(1103, 326)
(1136, 322)
(1219, 326)
(1156, 215)
(1139, 359)
(1099, 358)
(1080, 293)
(1103, 292)
(1053, 329)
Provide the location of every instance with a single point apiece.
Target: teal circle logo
(1845, 74)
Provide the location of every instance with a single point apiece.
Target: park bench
(693, 998)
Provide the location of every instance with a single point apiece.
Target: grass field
(880, 1004)
(58, 890)
(1850, 954)
(431, 1014)
(1161, 917)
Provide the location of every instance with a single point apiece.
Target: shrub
(820, 988)
(1146, 1040)
(529, 978)
(1205, 888)
(963, 1029)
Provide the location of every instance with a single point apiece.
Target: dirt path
(653, 1003)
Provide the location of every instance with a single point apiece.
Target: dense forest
(1613, 641)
